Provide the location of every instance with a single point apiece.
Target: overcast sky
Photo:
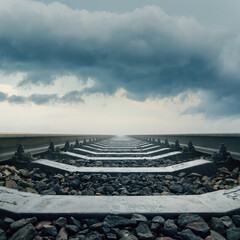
(120, 67)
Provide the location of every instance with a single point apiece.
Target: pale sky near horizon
(120, 67)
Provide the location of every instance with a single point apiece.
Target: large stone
(2, 235)
(62, 235)
(143, 231)
(126, 235)
(217, 225)
(75, 222)
(27, 232)
(236, 220)
(187, 234)
(138, 218)
(61, 222)
(117, 221)
(185, 219)
(227, 221)
(158, 219)
(176, 188)
(216, 236)
(49, 230)
(5, 223)
(94, 236)
(170, 228)
(200, 228)
(22, 222)
(233, 234)
(72, 229)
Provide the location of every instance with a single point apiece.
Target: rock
(143, 231)
(236, 220)
(138, 218)
(216, 236)
(200, 228)
(62, 235)
(158, 219)
(89, 192)
(126, 235)
(129, 237)
(74, 221)
(170, 228)
(227, 221)
(31, 190)
(155, 226)
(22, 222)
(109, 189)
(40, 225)
(61, 222)
(2, 235)
(111, 236)
(185, 219)
(233, 234)
(48, 192)
(94, 236)
(176, 188)
(72, 229)
(187, 234)
(48, 230)
(164, 238)
(117, 221)
(217, 225)
(5, 223)
(11, 184)
(27, 232)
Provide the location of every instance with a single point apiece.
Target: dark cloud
(40, 99)
(43, 99)
(146, 52)
(3, 96)
(17, 99)
(72, 97)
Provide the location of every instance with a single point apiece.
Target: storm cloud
(147, 52)
(42, 99)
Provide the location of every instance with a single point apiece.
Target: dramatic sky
(120, 67)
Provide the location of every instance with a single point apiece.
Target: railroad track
(120, 188)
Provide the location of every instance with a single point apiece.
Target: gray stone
(216, 236)
(176, 188)
(158, 219)
(22, 222)
(236, 220)
(187, 234)
(143, 231)
(94, 236)
(227, 221)
(27, 232)
(61, 222)
(155, 226)
(48, 230)
(233, 234)
(118, 221)
(5, 223)
(138, 218)
(62, 235)
(217, 225)
(2, 235)
(200, 228)
(170, 228)
(111, 236)
(185, 219)
(72, 229)
(75, 222)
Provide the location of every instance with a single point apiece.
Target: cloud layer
(42, 99)
(146, 52)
